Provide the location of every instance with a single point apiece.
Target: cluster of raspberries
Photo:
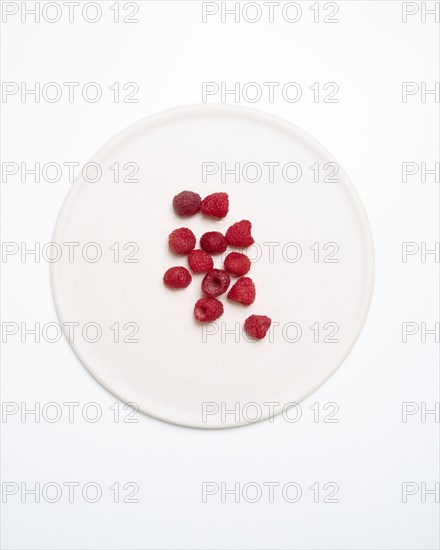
(182, 241)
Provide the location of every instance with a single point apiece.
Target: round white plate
(313, 266)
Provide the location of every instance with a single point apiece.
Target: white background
(370, 452)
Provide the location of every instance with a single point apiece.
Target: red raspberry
(243, 291)
(237, 264)
(256, 326)
(239, 234)
(187, 203)
(182, 240)
(200, 261)
(177, 277)
(215, 282)
(208, 309)
(216, 205)
(213, 242)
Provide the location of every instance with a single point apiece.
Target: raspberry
(213, 242)
(237, 264)
(256, 326)
(200, 261)
(187, 203)
(215, 282)
(182, 240)
(177, 277)
(243, 291)
(215, 205)
(208, 309)
(239, 234)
